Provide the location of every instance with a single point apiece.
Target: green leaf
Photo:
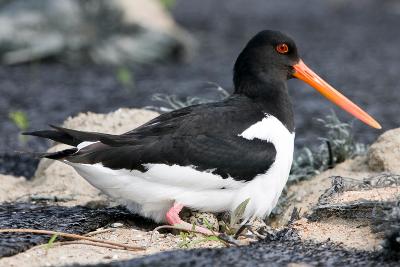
(125, 77)
(184, 240)
(238, 213)
(51, 241)
(20, 119)
(207, 224)
(168, 3)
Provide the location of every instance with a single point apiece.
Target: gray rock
(105, 31)
(384, 154)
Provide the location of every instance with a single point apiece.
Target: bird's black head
(268, 58)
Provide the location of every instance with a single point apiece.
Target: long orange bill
(305, 74)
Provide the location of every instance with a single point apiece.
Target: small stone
(117, 225)
(202, 219)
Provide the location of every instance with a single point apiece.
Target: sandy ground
(305, 194)
(12, 188)
(377, 194)
(354, 234)
(84, 254)
(349, 233)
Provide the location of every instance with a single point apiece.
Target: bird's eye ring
(282, 48)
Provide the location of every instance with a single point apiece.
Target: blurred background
(59, 58)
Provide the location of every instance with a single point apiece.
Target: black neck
(271, 97)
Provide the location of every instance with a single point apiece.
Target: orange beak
(305, 74)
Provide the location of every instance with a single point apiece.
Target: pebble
(117, 225)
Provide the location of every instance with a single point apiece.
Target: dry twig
(72, 236)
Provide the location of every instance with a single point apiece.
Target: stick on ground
(72, 236)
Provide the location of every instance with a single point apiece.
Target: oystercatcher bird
(207, 157)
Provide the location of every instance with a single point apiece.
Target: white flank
(265, 189)
(152, 193)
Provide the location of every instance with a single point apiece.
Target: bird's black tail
(74, 138)
(55, 135)
(59, 135)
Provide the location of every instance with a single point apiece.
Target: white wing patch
(85, 144)
(268, 129)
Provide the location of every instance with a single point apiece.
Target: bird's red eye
(282, 48)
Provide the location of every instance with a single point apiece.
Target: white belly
(153, 192)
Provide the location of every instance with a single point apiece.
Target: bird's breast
(264, 190)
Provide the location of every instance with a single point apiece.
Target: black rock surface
(18, 164)
(76, 220)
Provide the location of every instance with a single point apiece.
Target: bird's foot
(172, 217)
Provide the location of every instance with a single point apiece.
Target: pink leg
(173, 218)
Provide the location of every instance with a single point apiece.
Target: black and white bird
(208, 157)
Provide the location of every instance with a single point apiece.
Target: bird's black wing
(200, 136)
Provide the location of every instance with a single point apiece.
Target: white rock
(116, 225)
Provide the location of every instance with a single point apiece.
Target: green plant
(20, 119)
(51, 241)
(168, 3)
(188, 240)
(235, 218)
(336, 147)
(174, 102)
(125, 77)
(185, 239)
